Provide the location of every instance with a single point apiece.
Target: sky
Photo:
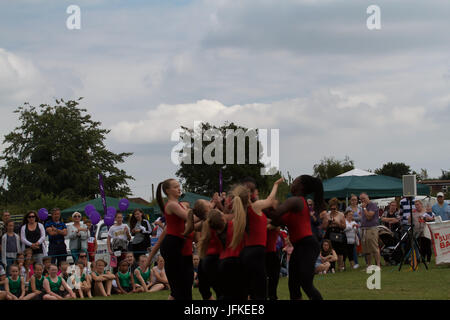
(310, 68)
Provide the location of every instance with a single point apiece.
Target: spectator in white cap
(441, 208)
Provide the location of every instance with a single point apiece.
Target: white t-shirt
(119, 232)
(350, 232)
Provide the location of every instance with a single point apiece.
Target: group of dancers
(236, 241)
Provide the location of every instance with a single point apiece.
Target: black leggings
(425, 248)
(348, 252)
(273, 266)
(188, 277)
(301, 269)
(231, 277)
(171, 247)
(254, 261)
(208, 269)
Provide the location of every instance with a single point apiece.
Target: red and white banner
(440, 235)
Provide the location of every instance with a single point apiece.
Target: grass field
(431, 284)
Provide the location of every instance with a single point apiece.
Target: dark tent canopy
(376, 186)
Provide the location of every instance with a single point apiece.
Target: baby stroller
(390, 248)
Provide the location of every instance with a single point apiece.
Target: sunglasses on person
(83, 256)
(77, 216)
(31, 217)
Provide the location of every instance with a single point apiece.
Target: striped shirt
(405, 210)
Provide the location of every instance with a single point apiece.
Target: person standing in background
(441, 208)
(56, 230)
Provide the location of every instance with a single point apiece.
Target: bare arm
(156, 247)
(175, 208)
(270, 200)
(293, 204)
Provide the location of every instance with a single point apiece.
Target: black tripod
(413, 244)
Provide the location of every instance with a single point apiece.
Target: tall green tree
(331, 167)
(203, 177)
(396, 170)
(445, 175)
(59, 150)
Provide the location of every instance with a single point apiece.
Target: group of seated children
(47, 282)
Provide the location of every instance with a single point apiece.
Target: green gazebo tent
(376, 186)
(110, 202)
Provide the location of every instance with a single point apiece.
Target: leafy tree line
(55, 156)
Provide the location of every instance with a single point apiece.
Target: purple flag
(102, 193)
(220, 181)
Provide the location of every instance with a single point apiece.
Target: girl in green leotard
(53, 285)
(37, 281)
(124, 279)
(15, 286)
(142, 275)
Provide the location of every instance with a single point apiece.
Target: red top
(272, 237)
(298, 223)
(174, 224)
(214, 245)
(257, 226)
(187, 247)
(229, 252)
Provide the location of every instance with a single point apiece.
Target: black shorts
(127, 289)
(17, 294)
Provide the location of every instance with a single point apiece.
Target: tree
(203, 178)
(445, 175)
(423, 175)
(396, 170)
(331, 167)
(59, 150)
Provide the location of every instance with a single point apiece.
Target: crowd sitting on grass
(29, 272)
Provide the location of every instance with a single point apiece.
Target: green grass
(431, 284)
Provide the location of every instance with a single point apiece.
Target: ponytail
(214, 221)
(240, 204)
(162, 186)
(310, 185)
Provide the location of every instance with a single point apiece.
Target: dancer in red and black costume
(294, 213)
(173, 242)
(251, 227)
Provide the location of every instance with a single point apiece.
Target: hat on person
(440, 194)
(76, 212)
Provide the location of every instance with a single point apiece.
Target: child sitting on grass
(46, 261)
(124, 279)
(15, 285)
(64, 265)
(142, 275)
(159, 278)
(102, 279)
(37, 281)
(83, 286)
(56, 287)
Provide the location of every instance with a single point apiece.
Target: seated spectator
(64, 265)
(11, 246)
(142, 275)
(102, 279)
(321, 267)
(83, 259)
(289, 248)
(327, 254)
(15, 286)
(158, 275)
(20, 260)
(2, 277)
(56, 287)
(84, 287)
(37, 281)
(124, 279)
(47, 262)
(132, 265)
